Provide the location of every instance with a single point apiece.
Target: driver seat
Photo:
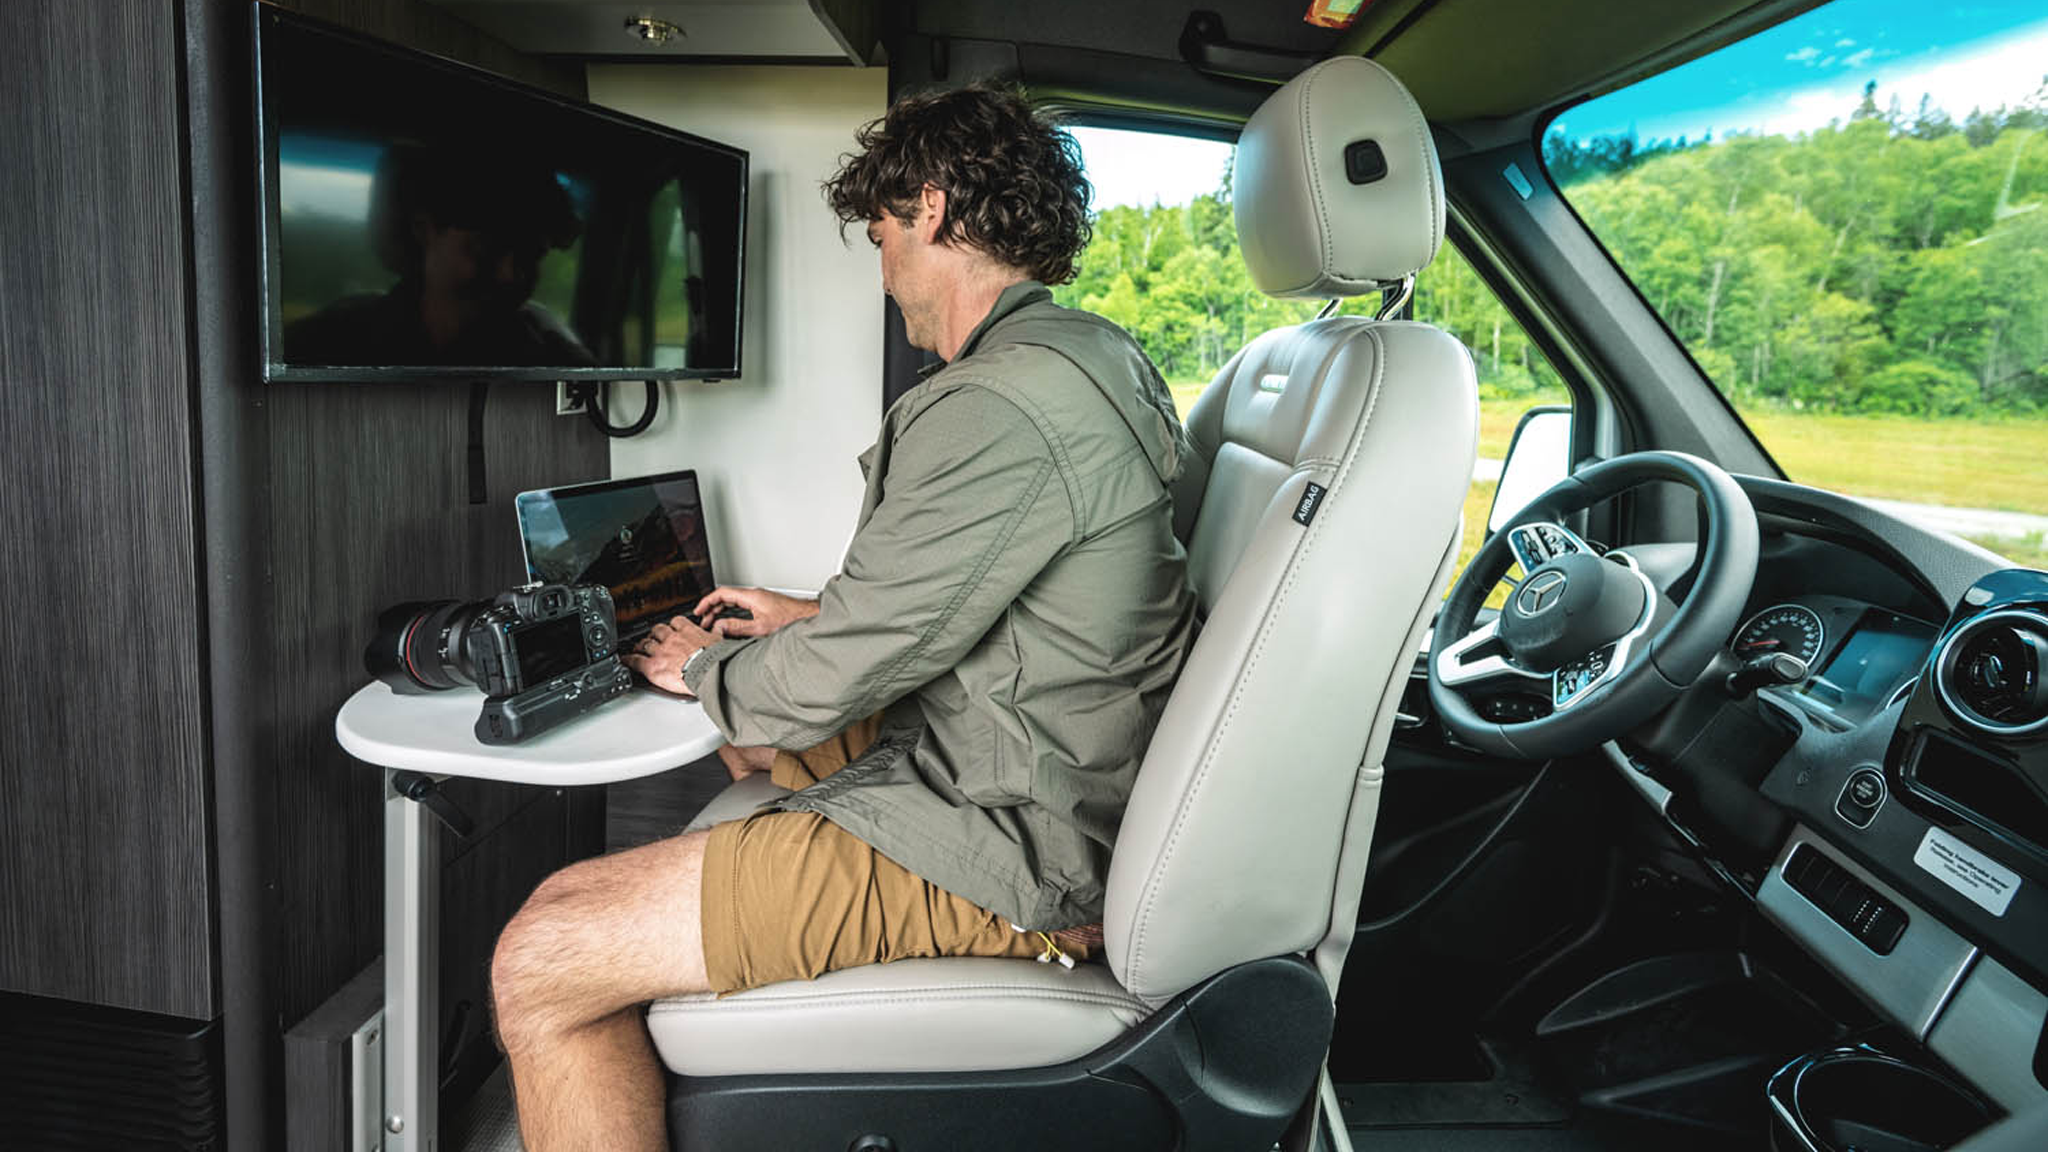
(1321, 514)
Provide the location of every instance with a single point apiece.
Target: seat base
(958, 1014)
(1225, 1066)
(739, 800)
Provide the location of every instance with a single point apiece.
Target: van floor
(487, 1123)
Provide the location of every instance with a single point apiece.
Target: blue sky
(1811, 69)
(1793, 78)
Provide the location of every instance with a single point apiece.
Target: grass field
(2001, 464)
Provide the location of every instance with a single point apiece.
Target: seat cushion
(953, 1014)
(738, 800)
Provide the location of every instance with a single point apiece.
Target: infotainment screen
(1882, 651)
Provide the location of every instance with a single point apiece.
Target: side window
(1164, 264)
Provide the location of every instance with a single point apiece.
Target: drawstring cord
(1052, 949)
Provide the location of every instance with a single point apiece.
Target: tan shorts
(790, 895)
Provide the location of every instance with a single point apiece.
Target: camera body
(542, 655)
(530, 636)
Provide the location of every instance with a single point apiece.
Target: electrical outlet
(565, 403)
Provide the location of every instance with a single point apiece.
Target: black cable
(595, 400)
(479, 391)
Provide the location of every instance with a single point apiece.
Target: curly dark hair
(1012, 176)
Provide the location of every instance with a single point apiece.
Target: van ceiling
(1465, 60)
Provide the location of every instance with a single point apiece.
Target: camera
(542, 655)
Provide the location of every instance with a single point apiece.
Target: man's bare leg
(592, 944)
(741, 763)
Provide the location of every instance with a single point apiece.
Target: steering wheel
(1591, 633)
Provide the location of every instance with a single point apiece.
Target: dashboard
(1894, 820)
(1860, 656)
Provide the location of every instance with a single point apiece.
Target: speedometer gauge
(1786, 628)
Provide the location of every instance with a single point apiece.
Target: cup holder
(1861, 1100)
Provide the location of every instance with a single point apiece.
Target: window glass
(1164, 264)
(1845, 220)
(668, 240)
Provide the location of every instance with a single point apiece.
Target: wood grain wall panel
(369, 507)
(364, 504)
(103, 800)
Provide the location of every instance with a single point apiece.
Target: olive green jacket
(1016, 600)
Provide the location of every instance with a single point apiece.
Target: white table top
(641, 733)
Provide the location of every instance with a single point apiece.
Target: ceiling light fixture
(652, 30)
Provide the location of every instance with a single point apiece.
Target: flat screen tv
(425, 219)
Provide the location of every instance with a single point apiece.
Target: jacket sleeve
(973, 507)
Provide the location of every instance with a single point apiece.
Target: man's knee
(598, 936)
(532, 990)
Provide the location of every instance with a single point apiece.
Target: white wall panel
(774, 449)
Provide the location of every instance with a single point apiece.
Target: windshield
(1845, 220)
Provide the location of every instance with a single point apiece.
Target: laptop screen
(644, 539)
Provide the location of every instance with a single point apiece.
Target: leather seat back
(1321, 517)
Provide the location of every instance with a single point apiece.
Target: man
(965, 704)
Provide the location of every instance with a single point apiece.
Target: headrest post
(1330, 307)
(1394, 297)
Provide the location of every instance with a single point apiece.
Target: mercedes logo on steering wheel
(1541, 593)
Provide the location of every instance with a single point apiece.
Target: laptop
(644, 539)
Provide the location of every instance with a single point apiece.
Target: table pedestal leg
(412, 975)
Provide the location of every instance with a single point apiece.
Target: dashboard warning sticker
(1985, 881)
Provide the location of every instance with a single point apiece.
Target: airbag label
(1987, 883)
(1311, 500)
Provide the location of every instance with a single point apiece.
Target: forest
(1885, 263)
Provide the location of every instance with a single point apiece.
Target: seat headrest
(1337, 188)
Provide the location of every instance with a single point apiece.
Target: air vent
(1993, 673)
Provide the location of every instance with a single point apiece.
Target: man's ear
(931, 215)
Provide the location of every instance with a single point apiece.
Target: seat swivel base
(1224, 1065)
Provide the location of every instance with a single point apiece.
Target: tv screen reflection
(417, 255)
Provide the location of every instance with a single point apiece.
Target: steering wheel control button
(1849, 902)
(1511, 709)
(1861, 797)
(1535, 545)
(1579, 675)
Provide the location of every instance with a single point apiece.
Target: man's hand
(771, 610)
(667, 648)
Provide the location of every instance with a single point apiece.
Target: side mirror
(1538, 457)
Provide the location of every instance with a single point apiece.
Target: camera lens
(418, 647)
